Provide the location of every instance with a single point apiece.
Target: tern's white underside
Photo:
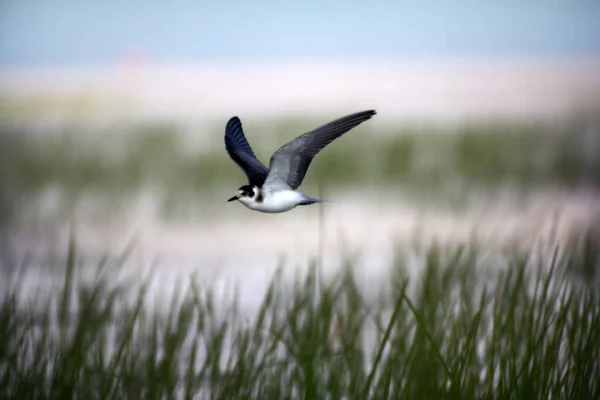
(275, 202)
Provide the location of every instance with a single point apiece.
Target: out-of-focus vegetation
(475, 155)
(458, 329)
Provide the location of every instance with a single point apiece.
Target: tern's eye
(244, 194)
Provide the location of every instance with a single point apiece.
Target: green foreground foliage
(527, 328)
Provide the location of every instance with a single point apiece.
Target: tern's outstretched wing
(240, 151)
(289, 164)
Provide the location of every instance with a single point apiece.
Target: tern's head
(246, 193)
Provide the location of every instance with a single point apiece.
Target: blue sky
(61, 32)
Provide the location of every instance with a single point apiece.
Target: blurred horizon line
(396, 60)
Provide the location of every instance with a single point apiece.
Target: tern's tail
(312, 200)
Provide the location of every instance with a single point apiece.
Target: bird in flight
(273, 189)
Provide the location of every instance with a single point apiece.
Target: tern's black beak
(232, 199)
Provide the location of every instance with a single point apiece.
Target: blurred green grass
(477, 154)
(424, 161)
(458, 329)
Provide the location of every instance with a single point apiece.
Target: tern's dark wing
(240, 151)
(289, 164)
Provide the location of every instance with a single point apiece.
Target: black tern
(273, 189)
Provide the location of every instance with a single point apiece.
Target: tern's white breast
(275, 202)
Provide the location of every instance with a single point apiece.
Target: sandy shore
(400, 90)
